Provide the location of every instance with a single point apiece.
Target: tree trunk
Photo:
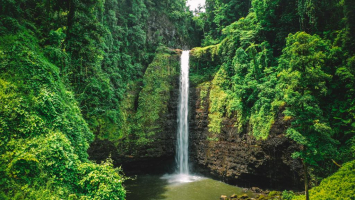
(305, 180)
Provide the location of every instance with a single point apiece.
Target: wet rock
(256, 190)
(245, 189)
(244, 196)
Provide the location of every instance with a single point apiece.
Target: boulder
(234, 196)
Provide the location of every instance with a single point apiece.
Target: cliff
(149, 130)
(238, 157)
(234, 156)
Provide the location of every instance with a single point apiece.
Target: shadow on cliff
(101, 150)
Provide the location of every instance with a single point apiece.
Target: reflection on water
(177, 187)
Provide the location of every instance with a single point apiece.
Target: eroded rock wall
(237, 157)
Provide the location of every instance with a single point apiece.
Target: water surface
(172, 187)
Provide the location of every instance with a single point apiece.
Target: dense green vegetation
(144, 111)
(44, 137)
(340, 185)
(292, 57)
(65, 67)
(72, 71)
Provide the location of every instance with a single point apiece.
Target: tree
(302, 83)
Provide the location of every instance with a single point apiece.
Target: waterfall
(182, 147)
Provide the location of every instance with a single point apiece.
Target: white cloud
(195, 3)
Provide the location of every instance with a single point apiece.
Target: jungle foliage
(65, 67)
(293, 58)
(145, 110)
(74, 70)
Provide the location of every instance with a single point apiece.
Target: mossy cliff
(149, 113)
(244, 104)
(280, 72)
(222, 142)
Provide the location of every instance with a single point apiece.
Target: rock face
(156, 157)
(238, 158)
(159, 25)
(161, 29)
(149, 129)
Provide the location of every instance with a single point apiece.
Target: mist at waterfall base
(182, 185)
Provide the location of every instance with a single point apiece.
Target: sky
(194, 3)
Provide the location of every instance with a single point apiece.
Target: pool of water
(178, 187)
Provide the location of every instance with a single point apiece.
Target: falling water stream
(182, 148)
(183, 111)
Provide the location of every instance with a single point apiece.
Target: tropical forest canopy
(71, 70)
